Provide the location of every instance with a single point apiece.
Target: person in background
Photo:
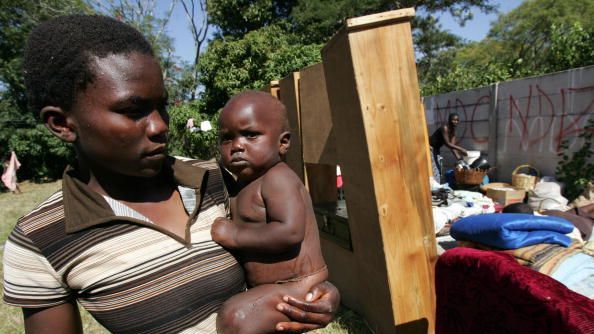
(445, 135)
(9, 177)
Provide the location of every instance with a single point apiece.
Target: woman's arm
(63, 319)
(451, 144)
(316, 311)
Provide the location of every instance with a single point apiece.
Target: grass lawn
(11, 320)
(12, 206)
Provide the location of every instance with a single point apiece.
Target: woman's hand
(316, 311)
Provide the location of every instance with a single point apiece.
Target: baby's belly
(258, 272)
(264, 270)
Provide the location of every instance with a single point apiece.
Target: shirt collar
(83, 207)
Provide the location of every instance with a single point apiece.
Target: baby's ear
(285, 142)
(59, 123)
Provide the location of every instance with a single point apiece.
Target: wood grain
(382, 149)
(319, 145)
(289, 96)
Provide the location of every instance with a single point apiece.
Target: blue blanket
(512, 230)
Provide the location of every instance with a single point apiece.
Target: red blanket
(489, 292)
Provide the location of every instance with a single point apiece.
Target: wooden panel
(427, 149)
(322, 183)
(385, 18)
(319, 145)
(382, 140)
(289, 95)
(272, 88)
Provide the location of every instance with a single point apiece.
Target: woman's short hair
(59, 53)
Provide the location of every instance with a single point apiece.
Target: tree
(540, 36)
(250, 32)
(576, 169)
(17, 19)
(198, 21)
(142, 14)
(42, 154)
(522, 38)
(571, 46)
(238, 17)
(235, 64)
(186, 142)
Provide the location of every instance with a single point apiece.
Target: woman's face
(120, 119)
(454, 120)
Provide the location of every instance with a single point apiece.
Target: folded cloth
(583, 224)
(544, 258)
(512, 230)
(576, 272)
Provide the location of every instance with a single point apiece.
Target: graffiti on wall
(540, 121)
(472, 114)
(530, 119)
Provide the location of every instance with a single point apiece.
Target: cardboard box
(506, 195)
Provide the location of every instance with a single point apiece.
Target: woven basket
(525, 181)
(469, 176)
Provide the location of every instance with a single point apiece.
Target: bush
(43, 156)
(576, 169)
(198, 144)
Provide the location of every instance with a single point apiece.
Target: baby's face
(250, 137)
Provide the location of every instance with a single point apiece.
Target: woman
(128, 235)
(446, 135)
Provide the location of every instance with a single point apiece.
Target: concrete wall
(519, 122)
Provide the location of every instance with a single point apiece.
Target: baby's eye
(224, 138)
(251, 135)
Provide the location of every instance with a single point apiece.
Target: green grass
(11, 320)
(13, 206)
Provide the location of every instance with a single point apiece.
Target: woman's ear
(59, 123)
(285, 142)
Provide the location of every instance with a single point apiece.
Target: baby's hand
(223, 231)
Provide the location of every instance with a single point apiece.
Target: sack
(547, 196)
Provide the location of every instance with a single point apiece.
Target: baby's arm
(283, 196)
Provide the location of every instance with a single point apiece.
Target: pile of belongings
(539, 242)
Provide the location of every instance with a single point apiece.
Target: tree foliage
(194, 144)
(576, 169)
(198, 21)
(17, 19)
(235, 64)
(238, 17)
(538, 37)
(44, 156)
(262, 40)
(525, 33)
(571, 46)
(41, 153)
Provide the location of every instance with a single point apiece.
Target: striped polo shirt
(130, 274)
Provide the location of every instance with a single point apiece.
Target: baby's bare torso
(303, 260)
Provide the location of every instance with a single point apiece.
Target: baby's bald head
(263, 104)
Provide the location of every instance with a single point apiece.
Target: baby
(273, 231)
